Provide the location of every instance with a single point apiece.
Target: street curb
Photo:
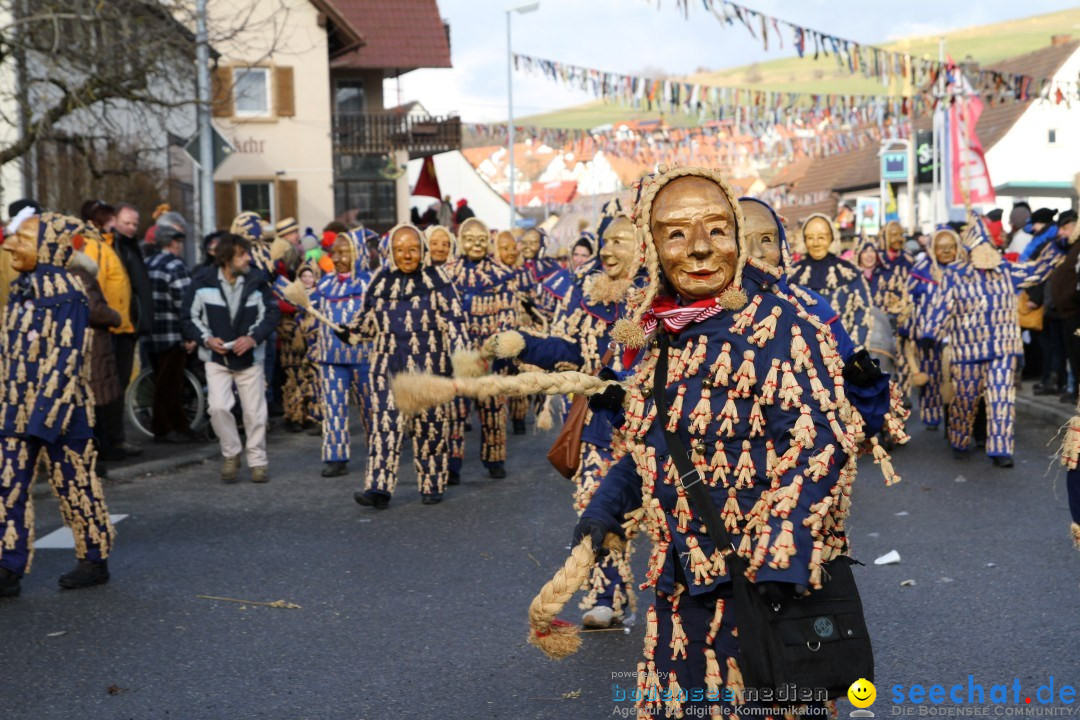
(148, 467)
(1042, 411)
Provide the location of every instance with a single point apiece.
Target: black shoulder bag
(814, 643)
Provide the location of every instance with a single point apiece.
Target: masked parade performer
(539, 271)
(1070, 458)
(47, 403)
(867, 388)
(508, 254)
(490, 295)
(343, 367)
(580, 339)
(975, 310)
(414, 321)
(924, 280)
(889, 288)
(302, 389)
(838, 281)
(754, 384)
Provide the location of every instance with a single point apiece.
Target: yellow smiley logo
(862, 693)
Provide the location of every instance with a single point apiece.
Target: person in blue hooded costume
(413, 318)
(975, 311)
(539, 269)
(866, 386)
(579, 338)
(837, 280)
(46, 403)
(755, 385)
(343, 367)
(924, 281)
(490, 295)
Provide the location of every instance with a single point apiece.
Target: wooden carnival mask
(762, 235)
(439, 246)
(407, 250)
(530, 244)
(694, 233)
(945, 247)
(506, 248)
(474, 238)
(818, 237)
(618, 253)
(23, 245)
(894, 236)
(343, 255)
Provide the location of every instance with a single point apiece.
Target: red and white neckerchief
(677, 317)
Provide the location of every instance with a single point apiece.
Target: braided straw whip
(295, 293)
(556, 638)
(415, 391)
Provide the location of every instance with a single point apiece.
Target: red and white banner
(970, 176)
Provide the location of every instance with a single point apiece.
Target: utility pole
(208, 222)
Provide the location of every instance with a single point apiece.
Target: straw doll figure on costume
(46, 404)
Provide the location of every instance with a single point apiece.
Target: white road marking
(62, 539)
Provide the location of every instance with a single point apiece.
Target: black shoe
(370, 499)
(1002, 461)
(112, 455)
(961, 454)
(1067, 398)
(931, 428)
(335, 469)
(497, 471)
(519, 427)
(86, 574)
(10, 584)
(130, 449)
(293, 427)
(315, 430)
(454, 479)
(275, 410)
(1041, 389)
(468, 427)
(431, 499)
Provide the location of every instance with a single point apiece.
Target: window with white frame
(256, 196)
(251, 88)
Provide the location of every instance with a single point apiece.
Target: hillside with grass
(985, 44)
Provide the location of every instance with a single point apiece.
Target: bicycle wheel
(139, 403)
(194, 402)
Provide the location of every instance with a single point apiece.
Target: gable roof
(399, 35)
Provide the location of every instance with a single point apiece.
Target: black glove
(346, 336)
(591, 528)
(862, 370)
(778, 593)
(613, 395)
(926, 344)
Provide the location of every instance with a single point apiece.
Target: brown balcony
(362, 133)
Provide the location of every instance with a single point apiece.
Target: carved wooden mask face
(474, 239)
(23, 246)
(693, 229)
(619, 249)
(761, 233)
(439, 247)
(817, 234)
(407, 250)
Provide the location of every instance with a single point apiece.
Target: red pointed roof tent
(398, 35)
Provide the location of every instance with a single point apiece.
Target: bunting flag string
(811, 110)
(887, 66)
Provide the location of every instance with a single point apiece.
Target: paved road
(420, 611)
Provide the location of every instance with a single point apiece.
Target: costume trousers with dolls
(993, 379)
(337, 381)
(69, 467)
(430, 432)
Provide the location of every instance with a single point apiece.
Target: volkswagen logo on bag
(823, 626)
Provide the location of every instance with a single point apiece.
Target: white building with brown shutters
(310, 135)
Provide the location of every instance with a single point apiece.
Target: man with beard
(230, 314)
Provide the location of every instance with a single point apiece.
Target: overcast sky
(630, 36)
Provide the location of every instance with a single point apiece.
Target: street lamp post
(521, 9)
